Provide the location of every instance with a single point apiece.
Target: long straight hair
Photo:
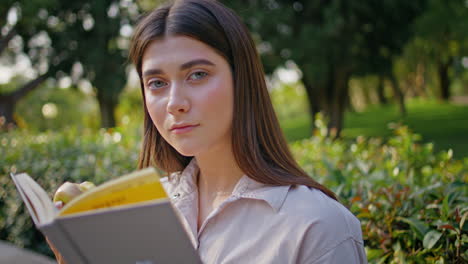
(258, 143)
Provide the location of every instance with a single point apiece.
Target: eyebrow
(184, 66)
(190, 64)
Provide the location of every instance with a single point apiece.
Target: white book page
(29, 204)
(37, 201)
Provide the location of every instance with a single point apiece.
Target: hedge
(412, 202)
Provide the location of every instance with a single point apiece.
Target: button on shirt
(261, 223)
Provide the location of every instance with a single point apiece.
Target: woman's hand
(66, 192)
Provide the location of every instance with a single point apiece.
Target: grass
(444, 124)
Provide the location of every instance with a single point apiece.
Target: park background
(372, 97)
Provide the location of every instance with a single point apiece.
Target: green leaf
(373, 254)
(420, 227)
(445, 207)
(464, 239)
(431, 238)
(462, 221)
(422, 191)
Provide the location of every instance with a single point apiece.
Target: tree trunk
(398, 94)
(108, 91)
(330, 97)
(337, 105)
(107, 105)
(381, 90)
(8, 101)
(444, 81)
(313, 100)
(107, 108)
(7, 107)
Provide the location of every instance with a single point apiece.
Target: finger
(59, 205)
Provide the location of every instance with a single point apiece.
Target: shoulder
(327, 226)
(328, 220)
(313, 206)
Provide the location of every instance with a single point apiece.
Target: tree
(384, 40)
(25, 30)
(444, 26)
(330, 41)
(92, 34)
(99, 46)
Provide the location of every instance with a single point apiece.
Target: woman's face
(188, 90)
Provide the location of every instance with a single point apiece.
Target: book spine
(62, 242)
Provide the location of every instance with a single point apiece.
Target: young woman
(209, 123)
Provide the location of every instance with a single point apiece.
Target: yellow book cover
(129, 219)
(139, 186)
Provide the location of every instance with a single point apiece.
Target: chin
(186, 151)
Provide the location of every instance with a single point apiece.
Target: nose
(178, 101)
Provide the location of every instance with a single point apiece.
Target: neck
(219, 172)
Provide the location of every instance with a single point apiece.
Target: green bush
(51, 159)
(412, 202)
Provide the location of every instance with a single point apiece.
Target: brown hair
(259, 146)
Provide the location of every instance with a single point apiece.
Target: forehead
(176, 50)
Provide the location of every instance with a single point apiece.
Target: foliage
(51, 159)
(78, 40)
(333, 41)
(444, 26)
(72, 108)
(283, 95)
(53, 108)
(441, 38)
(412, 202)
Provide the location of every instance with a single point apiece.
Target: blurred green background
(372, 96)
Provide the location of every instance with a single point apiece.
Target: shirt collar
(184, 183)
(251, 189)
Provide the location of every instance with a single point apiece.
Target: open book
(126, 220)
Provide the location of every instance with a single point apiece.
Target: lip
(181, 129)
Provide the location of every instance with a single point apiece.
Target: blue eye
(197, 75)
(156, 84)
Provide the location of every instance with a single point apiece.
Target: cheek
(156, 111)
(219, 100)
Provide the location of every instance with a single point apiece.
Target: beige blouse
(259, 223)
